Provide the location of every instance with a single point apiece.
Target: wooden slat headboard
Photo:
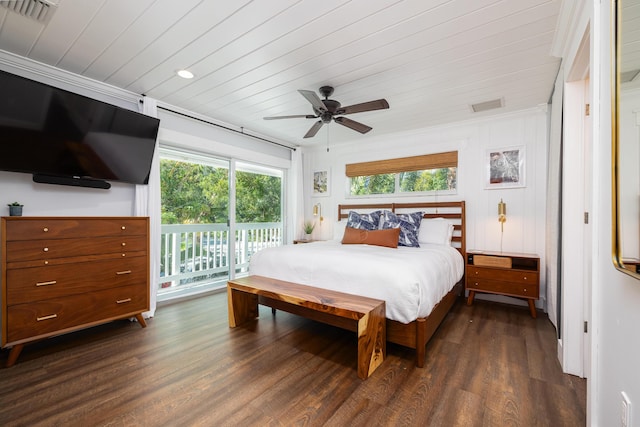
(454, 211)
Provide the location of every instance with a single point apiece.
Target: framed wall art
(321, 183)
(505, 167)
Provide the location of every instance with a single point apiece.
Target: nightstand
(511, 274)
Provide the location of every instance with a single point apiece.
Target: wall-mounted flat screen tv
(50, 132)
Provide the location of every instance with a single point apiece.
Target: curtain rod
(225, 127)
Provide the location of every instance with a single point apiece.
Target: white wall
(524, 230)
(57, 200)
(615, 346)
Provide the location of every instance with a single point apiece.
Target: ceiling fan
(327, 110)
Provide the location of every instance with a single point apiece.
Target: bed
(413, 310)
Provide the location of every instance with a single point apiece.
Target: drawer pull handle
(124, 244)
(124, 272)
(525, 277)
(51, 282)
(122, 301)
(45, 229)
(46, 249)
(51, 316)
(124, 228)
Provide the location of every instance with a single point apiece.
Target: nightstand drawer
(519, 276)
(523, 290)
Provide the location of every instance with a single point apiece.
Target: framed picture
(505, 167)
(321, 183)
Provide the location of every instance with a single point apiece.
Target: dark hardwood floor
(487, 365)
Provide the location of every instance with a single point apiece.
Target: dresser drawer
(27, 250)
(29, 228)
(46, 282)
(524, 290)
(46, 318)
(519, 276)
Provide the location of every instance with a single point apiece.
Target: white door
(587, 254)
(573, 345)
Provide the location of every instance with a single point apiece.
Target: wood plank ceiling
(431, 59)
(630, 44)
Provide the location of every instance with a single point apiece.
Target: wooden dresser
(61, 274)
(512, 274)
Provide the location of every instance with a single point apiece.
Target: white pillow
(435, 230)
(338, 229)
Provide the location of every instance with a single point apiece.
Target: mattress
(411, 281)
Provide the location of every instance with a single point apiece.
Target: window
(373, 184)
(431, 172)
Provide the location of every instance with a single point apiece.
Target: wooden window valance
(404, 164)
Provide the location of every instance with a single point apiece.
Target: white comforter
(410, 280)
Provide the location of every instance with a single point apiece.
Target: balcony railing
(194, 255)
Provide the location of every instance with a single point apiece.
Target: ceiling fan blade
(299, 116)
(314, 129)
(352, 124)
(314, 99)
(378, 104)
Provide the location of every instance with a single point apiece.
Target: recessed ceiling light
(185, 74)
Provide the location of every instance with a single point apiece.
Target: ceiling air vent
(38, 10)
(487, 105)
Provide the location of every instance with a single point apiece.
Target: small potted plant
(15, 209)
(308, 229)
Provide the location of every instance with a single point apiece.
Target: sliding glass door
(258, 211)
(199, 234)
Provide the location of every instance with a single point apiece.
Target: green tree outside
(413, 181)
(193, 193)
(428, 180)
(373, 184)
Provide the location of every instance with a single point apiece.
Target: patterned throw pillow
(369, 221)
(408, 224)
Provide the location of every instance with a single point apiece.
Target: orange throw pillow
(387, 238)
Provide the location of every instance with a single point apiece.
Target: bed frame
(417, 333)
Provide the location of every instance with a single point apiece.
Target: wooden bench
(363, 315)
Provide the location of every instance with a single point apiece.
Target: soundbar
(73, 181)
